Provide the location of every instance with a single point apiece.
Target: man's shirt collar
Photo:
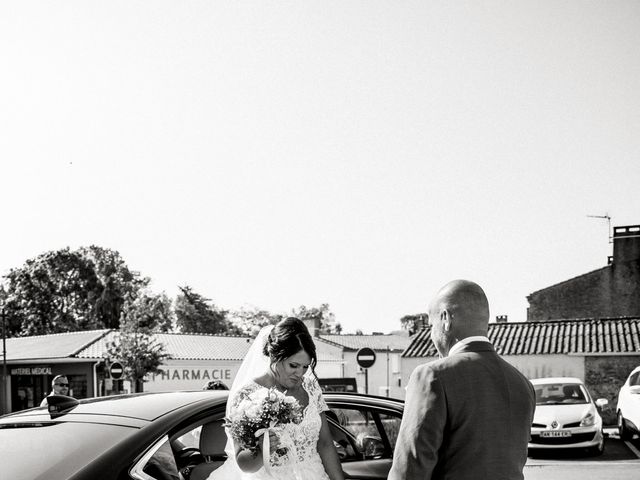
(465, 341)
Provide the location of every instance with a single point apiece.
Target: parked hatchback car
(171, 436)
(628, 408)
(566, 416)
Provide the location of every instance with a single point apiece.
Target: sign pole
(366, 381)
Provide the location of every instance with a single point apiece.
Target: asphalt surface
(620, 461)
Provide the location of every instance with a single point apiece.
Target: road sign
(116, 370)
(366, 357)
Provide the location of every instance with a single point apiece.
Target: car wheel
(623, 430)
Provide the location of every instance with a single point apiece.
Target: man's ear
(445, 319)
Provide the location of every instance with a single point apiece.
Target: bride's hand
(274, 442)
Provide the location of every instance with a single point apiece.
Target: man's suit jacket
(467, 416)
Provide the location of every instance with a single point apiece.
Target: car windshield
(560, 393)
(54, 450)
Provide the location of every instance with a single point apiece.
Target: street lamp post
(4, 358)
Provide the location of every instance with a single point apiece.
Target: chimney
(313, 325)
(501, 319)
(626, 244)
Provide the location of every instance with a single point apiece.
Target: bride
(283, 357)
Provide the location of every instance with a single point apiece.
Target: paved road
(603, 471)
(620, 461)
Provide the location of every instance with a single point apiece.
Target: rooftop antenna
(608, 218)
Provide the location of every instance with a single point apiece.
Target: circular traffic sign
(116, 370)
(366, 357)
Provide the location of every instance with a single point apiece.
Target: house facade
(32, 362)
(384, 377)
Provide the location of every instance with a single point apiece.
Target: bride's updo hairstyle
(287, 338)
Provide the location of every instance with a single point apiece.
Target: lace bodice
(301, 460)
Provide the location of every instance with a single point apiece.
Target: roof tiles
(185, 346)
(375, 342)
(57, 345)
(584, 336)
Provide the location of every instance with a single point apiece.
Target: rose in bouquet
(258, 412)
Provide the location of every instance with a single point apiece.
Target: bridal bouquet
(259, 412)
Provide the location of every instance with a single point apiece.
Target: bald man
(467, 415)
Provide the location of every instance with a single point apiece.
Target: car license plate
(555, 433)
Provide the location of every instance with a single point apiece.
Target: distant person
(467, 415)
(59, 386)
(215, 385)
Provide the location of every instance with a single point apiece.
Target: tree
(149, 312)
(414, 323)
(249, 321)
(117, 281)
(321, 314)
(69, 290)
(54, 292)
(137, 350)
(195, 314)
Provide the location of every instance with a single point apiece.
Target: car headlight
(588, 420)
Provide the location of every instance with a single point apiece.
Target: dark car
(172, 436)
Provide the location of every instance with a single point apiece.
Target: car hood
(562, 414)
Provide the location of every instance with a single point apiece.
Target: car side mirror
(601, 402)
(372, 447)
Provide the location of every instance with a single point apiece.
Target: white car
(628, 408)
(566, 416)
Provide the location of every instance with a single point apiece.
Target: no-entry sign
(116, 370)
(365, 357)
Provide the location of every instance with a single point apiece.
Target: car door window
(391, 425)
(189, 453)
(345, 444)
(366, 432)
(158, 464)
(199, 450)
(635, 379)
(191, 439)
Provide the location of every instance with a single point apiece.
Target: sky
(360, 154)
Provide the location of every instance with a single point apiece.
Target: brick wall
(604, 375)
(612, 291)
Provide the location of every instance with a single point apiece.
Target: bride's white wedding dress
(301, 460)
